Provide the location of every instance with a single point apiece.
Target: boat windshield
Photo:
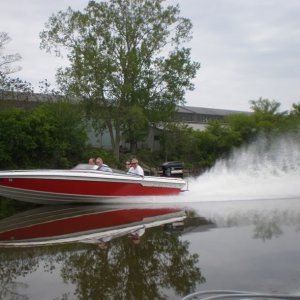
(85, 167)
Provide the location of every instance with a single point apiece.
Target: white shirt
(136, 171)
(104, 168)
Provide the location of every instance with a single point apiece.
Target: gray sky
(247, 48)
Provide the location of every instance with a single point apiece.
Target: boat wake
(266, 169)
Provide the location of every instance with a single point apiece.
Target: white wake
(266, 169)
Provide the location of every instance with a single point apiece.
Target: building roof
(208, 111)
(39, 97)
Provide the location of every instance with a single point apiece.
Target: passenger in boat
(127, 165)
(101, 166)
(92, 161)
(92, 164)
(135, 168)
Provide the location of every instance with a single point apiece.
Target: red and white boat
(82, 185)
(86, 224)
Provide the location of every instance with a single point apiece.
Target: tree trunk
(133, 147)
(115, 140)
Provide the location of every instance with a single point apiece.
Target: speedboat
(90, 224)
(82, 184)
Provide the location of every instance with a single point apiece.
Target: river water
(235, 228)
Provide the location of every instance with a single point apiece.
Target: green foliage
(215, 142)
(265, 106)
(245, 126)
(266, 114)
(15, 144)
(176, 141)
(293, 119)
(52, 135)
(136, 126)
(295, 109)
(65, 134)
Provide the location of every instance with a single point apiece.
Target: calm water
(236, 228)
(249, 245)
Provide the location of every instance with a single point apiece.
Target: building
(198, 117)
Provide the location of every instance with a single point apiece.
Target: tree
(267, 115)
(266, 106)
(51, 136)
(6, 61)
(295, 111)
(244, 125)
(14, 84)
(127, 271)
(176, 142)
(126, 57)
(6, 67)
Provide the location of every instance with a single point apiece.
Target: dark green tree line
(51, 135)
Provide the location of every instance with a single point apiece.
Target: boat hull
(59, 186)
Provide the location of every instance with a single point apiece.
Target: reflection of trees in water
(267, 224)
(123, 270)
(9, 207)
(14, 264)
(267, 227)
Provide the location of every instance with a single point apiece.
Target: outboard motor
(171, 169)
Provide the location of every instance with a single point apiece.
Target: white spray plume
(266, 169)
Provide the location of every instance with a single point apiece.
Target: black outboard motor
(171, 169)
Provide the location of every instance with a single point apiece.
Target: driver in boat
(135, 168)
(101, 166)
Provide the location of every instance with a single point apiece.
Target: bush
(52, 135)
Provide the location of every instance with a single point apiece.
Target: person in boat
(135, 168)
(92, 164)
(127, 165)
(92, 161)
(101, 166)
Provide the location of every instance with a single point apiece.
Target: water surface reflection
(98, 252)
(149, 251)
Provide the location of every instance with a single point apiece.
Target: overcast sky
(247, 48)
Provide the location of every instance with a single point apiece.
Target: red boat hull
(91, 188)
(78, 186)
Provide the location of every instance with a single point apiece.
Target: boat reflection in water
(86, 224)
